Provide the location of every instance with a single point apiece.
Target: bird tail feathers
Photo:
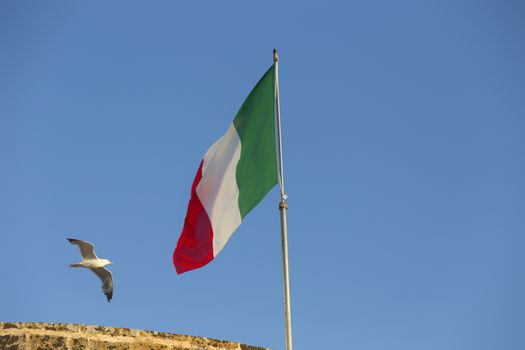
(75, 265)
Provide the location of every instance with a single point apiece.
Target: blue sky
(403, 147)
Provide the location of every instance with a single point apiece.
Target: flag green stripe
(256, 171)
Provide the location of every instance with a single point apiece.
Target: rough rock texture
(43, 336)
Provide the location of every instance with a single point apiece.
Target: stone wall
(43, 336)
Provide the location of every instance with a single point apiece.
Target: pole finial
(275, 56)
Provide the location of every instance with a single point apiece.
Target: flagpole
(282, 208)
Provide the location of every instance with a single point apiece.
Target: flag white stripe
(218, 191)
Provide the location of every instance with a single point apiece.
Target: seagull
(92, 262)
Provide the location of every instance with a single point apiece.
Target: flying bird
(91, 261)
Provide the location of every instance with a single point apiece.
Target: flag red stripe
(195, 246)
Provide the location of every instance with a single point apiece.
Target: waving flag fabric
(237, 171)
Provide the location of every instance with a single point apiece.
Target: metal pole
(282, 208)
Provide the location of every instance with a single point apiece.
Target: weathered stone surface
(109, 345)
(8, 325)
(249, 347)
(78, 344)
(11, 342)
(145, 345)
(44, 336)
(44, 342)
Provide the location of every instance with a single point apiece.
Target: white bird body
(91, 261)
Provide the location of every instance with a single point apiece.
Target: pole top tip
(275, 56)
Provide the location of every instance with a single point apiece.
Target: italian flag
(237, 171)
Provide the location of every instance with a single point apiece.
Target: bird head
(106, 262)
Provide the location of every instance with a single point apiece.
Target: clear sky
(403, 126)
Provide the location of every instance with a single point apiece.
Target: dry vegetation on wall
(43, 336)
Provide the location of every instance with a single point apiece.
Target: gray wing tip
(109, 294)
(72, 240)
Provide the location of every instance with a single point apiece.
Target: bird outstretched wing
(87, 249)
(107, 281)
